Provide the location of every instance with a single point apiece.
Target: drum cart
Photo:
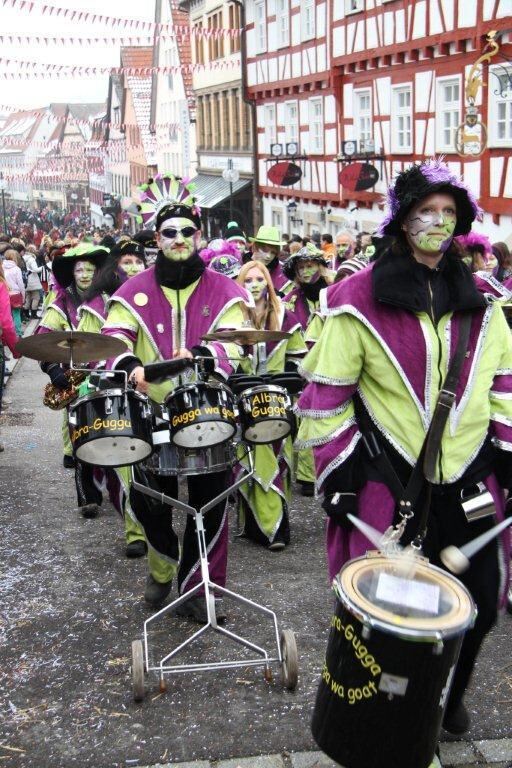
(286, 649)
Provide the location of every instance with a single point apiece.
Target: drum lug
(366, 632)
(438, 648)
(108, 406)
(72, 419)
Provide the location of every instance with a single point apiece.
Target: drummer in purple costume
(389, 332)
(73, 271)
(162, 314)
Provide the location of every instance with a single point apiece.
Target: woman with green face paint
(264, 502)
(126, 260)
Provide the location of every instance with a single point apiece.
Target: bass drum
(393, 646)
(169, 460)
(111, 428)
(201, 415)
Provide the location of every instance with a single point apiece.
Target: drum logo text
(113, 425)
(181, 419)
(267, 405)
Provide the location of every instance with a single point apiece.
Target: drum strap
(424, 469)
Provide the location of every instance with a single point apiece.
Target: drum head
(267, 431)
(113, 451)
(203, 434)
(405, 597)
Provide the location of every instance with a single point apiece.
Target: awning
(211, 191)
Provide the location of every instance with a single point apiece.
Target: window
(283, 23)
(363, 115)
(308, 19)
(277, 219)
(448, 113)
(199, 43)
(352, 6)
(269, 116)
(291, 121)
(260, 26)
(316, 126)
(401, 120)
(235, 23)
(216, 40)
(500, 106)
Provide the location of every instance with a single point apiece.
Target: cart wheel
(290, 663)
(138, 670)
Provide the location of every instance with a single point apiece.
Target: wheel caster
(163, 685)
(290, 663)
(267, 674)
(138, 670)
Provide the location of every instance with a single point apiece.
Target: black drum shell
(129, 407)
(201, 397)
(252, 412)
(376, 731)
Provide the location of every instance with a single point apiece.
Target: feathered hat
(167, 195)
(419, 181)
(474, 241)
(218, 247)
(226, 265)
(309, 253)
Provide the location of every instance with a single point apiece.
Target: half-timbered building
(391, 76)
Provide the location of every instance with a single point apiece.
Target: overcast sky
(29, 93)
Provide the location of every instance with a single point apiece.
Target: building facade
(389, 79)
(223, 118)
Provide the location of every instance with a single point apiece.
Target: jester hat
(419, 181)
(168, 196)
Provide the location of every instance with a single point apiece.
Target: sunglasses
(170, 232)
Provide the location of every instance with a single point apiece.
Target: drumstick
(371, 533)
(456, 559)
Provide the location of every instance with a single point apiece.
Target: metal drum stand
(286, 648)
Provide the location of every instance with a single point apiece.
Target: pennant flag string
(74, 14)
(36, 68)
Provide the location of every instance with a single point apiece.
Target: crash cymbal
(246, 336)
(60, 346)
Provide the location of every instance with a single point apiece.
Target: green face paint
(431, 224)
(130, 264)
(307, 271)
(83, 272)
(182, 246)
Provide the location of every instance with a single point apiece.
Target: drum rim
(108, 393)
(426, 630)
(193, 385)
(229, 453)
(262, 388)
(230, 423)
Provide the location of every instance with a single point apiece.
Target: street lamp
(232, 175)
(3, 185)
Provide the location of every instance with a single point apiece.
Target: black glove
(208, 365)
(57, 377)
(338, 505)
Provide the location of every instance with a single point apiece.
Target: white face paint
(83, 272)
(131, 264)
(264, 253)
(178, 238)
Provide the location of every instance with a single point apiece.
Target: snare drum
(265, 414)
(111, 428)
(201, 415)
(391, 655)
(169, 460)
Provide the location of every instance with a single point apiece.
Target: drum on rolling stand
(111, 427)
(201, 415)
(391, 655)
(169, 460)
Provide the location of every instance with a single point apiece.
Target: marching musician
(264, 501)
(163, 313)
(389, 335)
(73, 271)
(266, 247)
(125, 260)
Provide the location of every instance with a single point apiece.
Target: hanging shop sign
(284, 174)
(358, 176)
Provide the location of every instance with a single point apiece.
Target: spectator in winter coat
(15, 286)
(34, 286)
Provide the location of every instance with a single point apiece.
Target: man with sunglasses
(162, 314)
